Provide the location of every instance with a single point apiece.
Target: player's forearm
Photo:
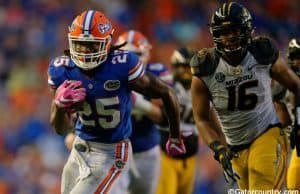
(153, 87)
(287, 78)
(209, 132)
(172, 109)
(155, 114)
(59, 120)
(297, 95)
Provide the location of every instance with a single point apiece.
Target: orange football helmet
(90, 39)
(136, 42)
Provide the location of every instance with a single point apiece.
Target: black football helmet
(180, 61)
(231, 17)
(293, 54)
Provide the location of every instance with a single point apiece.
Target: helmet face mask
(229, 39)
(88, 54)
(183, 74)
(90, 39)
(180, 60)
(233, 23)
(294, 55)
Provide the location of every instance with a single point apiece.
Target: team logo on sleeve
(111, 85)
(220, 77)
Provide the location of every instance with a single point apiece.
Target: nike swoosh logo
(64, 100)
(251, 67)
(176, 148)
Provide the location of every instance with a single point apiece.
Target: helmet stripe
(223, 9)
(87, 23)
(91, 21)
(229, 8)
(130, 36)
(84, 20)
(294, 43)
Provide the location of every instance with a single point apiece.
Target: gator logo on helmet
(103, 28)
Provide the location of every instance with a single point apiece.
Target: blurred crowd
(33, 31)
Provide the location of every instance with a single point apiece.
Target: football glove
(295, 134)
(223, 156)
(175, 146)
(69, 93)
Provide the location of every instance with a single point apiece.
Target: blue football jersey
(145, 134)
(106, 114)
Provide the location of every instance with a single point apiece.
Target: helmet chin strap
(233, 57)
(239, 49)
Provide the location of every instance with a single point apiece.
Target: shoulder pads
(264, 50)
(204, 62)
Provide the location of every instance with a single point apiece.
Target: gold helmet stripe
(224, 8)
(229, 8)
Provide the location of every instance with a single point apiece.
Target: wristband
(217, 147)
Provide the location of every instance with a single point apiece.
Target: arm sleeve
(136, 68)
(56, 75)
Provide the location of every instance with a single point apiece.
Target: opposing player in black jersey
(235, 76)
(293, 179)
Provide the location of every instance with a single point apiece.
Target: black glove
(224, 158)
(295, 134)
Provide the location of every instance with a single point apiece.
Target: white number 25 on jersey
(109, 118)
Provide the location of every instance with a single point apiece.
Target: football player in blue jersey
(95, 82)
(144, 174)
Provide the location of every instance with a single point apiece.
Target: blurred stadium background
(33, 31)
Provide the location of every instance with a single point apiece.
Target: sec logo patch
(220, 77)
